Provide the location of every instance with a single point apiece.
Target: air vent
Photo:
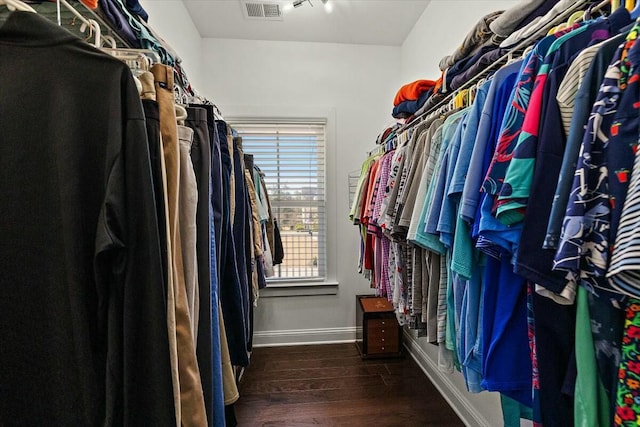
(259, 10)
(271, 10)
(255, 10)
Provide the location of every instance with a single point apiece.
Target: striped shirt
(385, 169)
(391, 192)
(398, 156)
(420, 154)
(415, 284)
(402, 184)
(571, 83)
(624, 270)
(442, 301)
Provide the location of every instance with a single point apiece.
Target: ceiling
(373, 22)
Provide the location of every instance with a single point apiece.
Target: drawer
(388, 333)
(377, 348)
(381, 323)
(382, 341)
(378, 333)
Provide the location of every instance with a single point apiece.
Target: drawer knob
(383, 348)
(383, 323)
(382, 339)
(383, 331)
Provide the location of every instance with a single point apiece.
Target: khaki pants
(231, 394)
(191, 398)
(188, 208)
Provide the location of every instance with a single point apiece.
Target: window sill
(299, 289)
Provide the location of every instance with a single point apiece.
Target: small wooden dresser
(377, 331)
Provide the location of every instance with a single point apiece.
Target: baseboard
(456, 399)
(304, 336)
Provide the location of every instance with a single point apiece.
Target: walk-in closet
(220, 213)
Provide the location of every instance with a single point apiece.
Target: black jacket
(83, 330)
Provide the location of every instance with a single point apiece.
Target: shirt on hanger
(583, 102)
(589, 205)
(542, 167)
(486, 132)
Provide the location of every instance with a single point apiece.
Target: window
(292, 157)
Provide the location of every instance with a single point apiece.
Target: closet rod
(516, 50)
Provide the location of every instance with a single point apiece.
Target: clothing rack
(139, 58)
(515, 51)
(78, 19)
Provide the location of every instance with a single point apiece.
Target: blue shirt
(486, 134)
(427, 233)
(493, 237)
(467, 143)
(449, 208)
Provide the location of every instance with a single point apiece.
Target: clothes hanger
(14, 5)
(138, 64)
(471, 95)
(575, 17)
(615, 4)
(526, 51)
(181, 114)
(461, 98)
(94, 30)
(593, 8)
(452, 105)
(150, 56)
(217, 113)
(562, 26)
(510, 57)
(464, 97)
(110, 40)
(91, 24)
(629, 4)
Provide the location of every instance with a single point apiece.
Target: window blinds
(292, 157)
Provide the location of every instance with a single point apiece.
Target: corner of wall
(438, 32)
(172, 21)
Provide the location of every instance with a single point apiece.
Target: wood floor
(330, 385)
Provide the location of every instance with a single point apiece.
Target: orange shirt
(412, 91)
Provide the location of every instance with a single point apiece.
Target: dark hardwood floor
(330, 385)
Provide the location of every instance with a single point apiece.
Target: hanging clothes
(81, 234)
(491, 241)
(122, 273)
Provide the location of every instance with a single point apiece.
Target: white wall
(171, 20)
(353, 86)
(433, 37)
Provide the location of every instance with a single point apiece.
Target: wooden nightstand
(377, 331)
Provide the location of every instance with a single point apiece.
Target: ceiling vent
(260, 10)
